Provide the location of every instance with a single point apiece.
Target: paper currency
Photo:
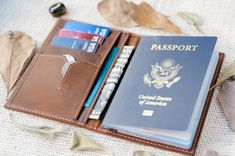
(111, 82)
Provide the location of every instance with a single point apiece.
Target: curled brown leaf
(210, 153)
(228, 73)
(192, 19)
(146, 16)
(142, 153)
(227, 100)
(124, 13)
(118, 12)
(15, 49)
(81, 142)
(45, 130)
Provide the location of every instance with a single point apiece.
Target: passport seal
(163, 75)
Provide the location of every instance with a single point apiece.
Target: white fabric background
(32, 17)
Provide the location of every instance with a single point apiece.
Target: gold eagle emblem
(164, 74)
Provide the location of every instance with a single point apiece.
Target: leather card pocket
(47, 91)
(120, 44)
(96, 57)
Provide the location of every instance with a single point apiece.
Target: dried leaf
(117, 12)
(15, 48)
(142, 153)
(228, 73)
(227, 100)
(126, 13)
(192, 19)
(81, 142)
(146, 16)
(210, 153)
(45, 130)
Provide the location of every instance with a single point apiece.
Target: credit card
(87, 28)
(77, 44)
(81, 35)
(101, 76)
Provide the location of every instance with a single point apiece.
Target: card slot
(83, 118)
(109, 42)
(96, 58)
(77, 54)
(41, 93)
(79, 79)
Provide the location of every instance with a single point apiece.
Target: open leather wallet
(45, 92)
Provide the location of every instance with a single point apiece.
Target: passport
(163, 91)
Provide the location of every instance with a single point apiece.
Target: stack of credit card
(80, 36)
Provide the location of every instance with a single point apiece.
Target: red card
(81, 35)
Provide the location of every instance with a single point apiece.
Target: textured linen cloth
(33, 18)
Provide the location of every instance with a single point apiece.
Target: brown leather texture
(43, 91)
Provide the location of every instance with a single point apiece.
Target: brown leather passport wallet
(43, 91)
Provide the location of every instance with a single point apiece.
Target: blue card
(87, 28)
(101, 76)
(88, 46)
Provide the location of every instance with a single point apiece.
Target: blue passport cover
(162, 83)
